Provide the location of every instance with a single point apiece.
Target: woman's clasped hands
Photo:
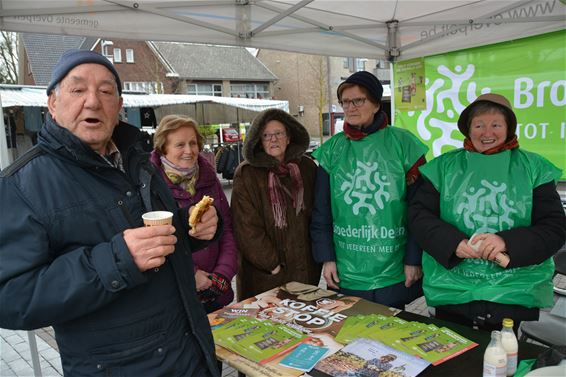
(481, 245)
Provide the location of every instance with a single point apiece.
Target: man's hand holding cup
(149, 245)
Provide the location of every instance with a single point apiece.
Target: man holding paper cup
(75, 253)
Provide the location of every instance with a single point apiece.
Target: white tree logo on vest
(487, 207)
(366, 188)
(450, 95)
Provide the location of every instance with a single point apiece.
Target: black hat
(500, 102)
(72, 58)
(367, 80)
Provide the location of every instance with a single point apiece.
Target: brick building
(156, 67)
(303, 81)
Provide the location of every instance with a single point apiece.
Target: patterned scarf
(278, 192)
(508, 145)
(186, 178)
(380, 120)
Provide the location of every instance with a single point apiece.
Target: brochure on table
(368, 358)
(426, 341)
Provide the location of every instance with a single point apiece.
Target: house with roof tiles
(156, 67)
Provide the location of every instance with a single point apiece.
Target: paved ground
(15, 355)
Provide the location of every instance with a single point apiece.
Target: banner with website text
(530, 72)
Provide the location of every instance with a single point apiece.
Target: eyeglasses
(357, 102)
(278, 136)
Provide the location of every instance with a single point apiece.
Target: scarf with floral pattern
(186, 178)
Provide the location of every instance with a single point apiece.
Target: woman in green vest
(365, 175)
(504, 197)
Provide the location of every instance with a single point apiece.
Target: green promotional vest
(367, 190)
(487, 194)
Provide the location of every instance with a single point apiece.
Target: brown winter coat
(262, 247)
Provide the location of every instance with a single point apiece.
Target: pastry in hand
(200, 208)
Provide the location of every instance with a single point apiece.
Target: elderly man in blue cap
(74, 252)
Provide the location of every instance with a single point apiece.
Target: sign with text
(410, 85)
(530, 72)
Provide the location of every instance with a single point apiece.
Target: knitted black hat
(72, 58)
(367, 80)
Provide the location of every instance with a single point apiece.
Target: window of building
(250, 90)
(351, 64)
(152, 87)
(117, 55)
(361, 64)
(205, 89)
(129, 55)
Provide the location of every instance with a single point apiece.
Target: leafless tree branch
(8, 58)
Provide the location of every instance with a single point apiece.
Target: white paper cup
(157, 218)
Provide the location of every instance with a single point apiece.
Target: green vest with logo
(367, 190)
(487, 194)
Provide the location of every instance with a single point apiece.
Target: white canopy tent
(388, 29)
(384, 29)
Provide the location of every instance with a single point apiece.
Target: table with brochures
(469, 363)
(291, 329)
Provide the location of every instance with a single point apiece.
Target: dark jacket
(65, 262)
(525, 245)
(218, 257)
(263, 246)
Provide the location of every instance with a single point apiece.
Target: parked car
(229, 135)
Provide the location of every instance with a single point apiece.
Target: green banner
(530, 72)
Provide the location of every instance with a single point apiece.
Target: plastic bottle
(495, 358)
(510, 345)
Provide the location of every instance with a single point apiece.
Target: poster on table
(296, 327)
(317, 313)
(530, 72)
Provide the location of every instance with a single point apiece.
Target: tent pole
(329, 94)
(393, 51)
(5, 158)
(393, 87)
(238, 120)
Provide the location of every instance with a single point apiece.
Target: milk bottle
(495, 358)
(510, 345)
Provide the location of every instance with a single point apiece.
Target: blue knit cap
(71, 58)
(368, 81)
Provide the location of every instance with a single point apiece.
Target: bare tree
(8, 58)
(318, 67)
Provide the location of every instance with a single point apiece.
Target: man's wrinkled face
(87, 104)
